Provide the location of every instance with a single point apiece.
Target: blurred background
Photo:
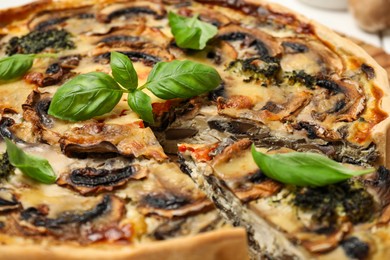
(349, 17)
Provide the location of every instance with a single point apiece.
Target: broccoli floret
(300, 77)
(5, 166)
(37, 41)
(256, 68)
(327, 203)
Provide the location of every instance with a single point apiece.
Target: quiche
(186, 186)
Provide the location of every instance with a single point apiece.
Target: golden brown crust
(223, 244)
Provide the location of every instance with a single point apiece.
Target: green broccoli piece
(37, 41)
(257, 68)
(300, 77)
(327, 203)
(6, 168)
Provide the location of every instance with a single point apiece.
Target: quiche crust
(222, 244)
(227, 244)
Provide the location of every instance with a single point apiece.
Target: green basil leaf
(15, 66)
(181, 79)
(123, 71)
(191, 33)
(141, 104)
(34, 167)
(304, 169)
(85, 96)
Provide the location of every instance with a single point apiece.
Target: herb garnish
(34, 167)
(17, 65)
(191, 33)
(97, 93)
(304, 169)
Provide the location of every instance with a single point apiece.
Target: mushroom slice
(166, 191)
(148, 54)
(349, 108)
(91, 180)
(133, 36)
(271, 111)
(263, 44)
(75, 225)
(235, 166)
(8, 201)
(317, 131)
(214, 17)
(128, 10)
(47, 19)
(128, 140)
(60, 71)
(309, 56)
(5, 124)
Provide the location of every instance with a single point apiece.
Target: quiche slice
(124, 187)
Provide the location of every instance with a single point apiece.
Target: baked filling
(121, 180)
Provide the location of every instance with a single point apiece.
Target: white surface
(340, 21)
(328, 4)
(8, 3)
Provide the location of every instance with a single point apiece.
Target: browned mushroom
(8, 201)
(47, 19)
(129, 10)
(91, 180)
(129, 140)
(74, 225)
(310, 57)
(235, 167)
(322, 244)
(352, 104)
(263, 44)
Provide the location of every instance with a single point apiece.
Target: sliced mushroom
(235, 167)
(36, 107)
(128, 140)
(91, 180)
(136, 36)
(5, 124)
(309, 56)
(316, 131)
(48, 19)
(167, 192)
(8, 201)
(130, 9)
(263, 44)
(349, 108)
(271, 111)
(214, 17)
(149, 56)
(326, 243)
(74, 225)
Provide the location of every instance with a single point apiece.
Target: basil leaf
(123, 71)
(191, 33)
(34, 167)
(85, 96)
(181, 79)
(15, 66)
(304, 169)
(141, 104)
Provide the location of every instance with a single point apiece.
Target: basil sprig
(191, 33)
(16, 66)
(96, 93)
(34, 167)
(304, 169)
